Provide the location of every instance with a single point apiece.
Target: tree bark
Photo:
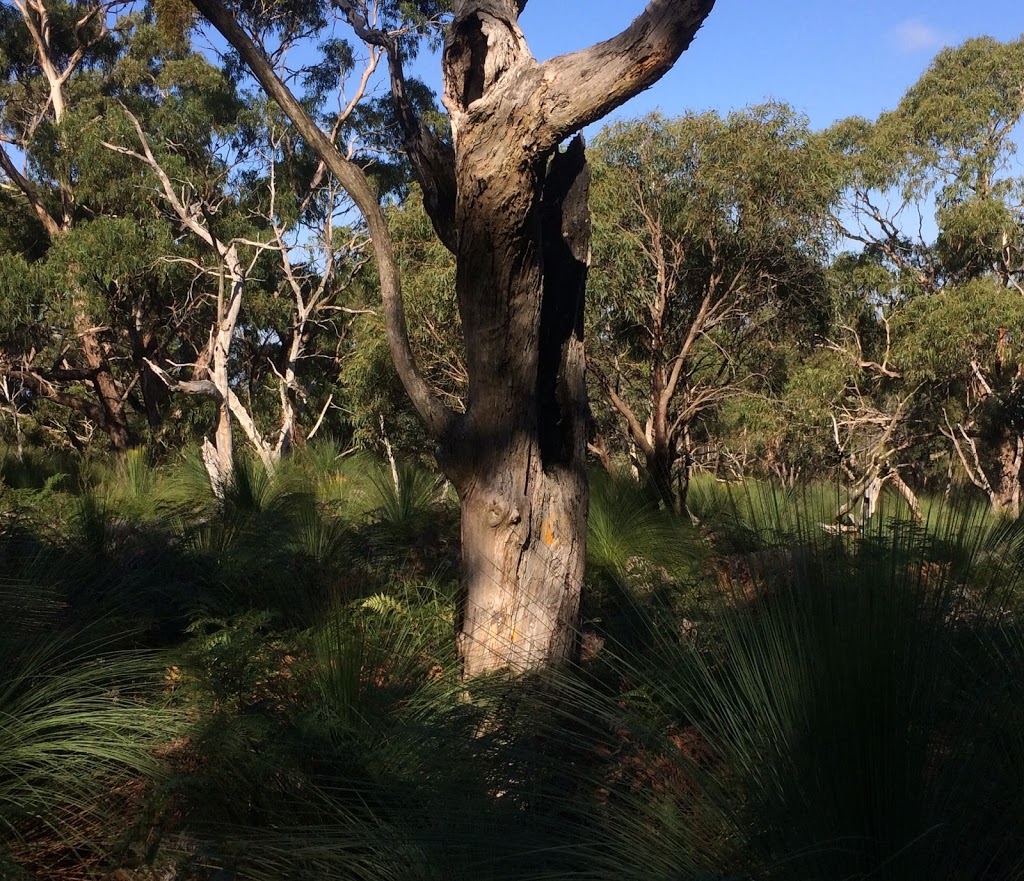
(520, 463)
(659, 477)
(115, 421)
(1005, 495)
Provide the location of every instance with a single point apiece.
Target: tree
(92, 267)
(512, 207)
(711, 245)
(965, 343)
(952, 305)
(43, 47)
(309, 275)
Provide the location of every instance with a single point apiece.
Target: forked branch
(584, 86)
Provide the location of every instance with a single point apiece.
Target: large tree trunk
(523, 556)
(522, 248)
(513, 211)
(519, 463)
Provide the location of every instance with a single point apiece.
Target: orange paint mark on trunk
(548, 533)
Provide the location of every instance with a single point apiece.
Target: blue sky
(828, 59)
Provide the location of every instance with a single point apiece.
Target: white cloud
(916, 35)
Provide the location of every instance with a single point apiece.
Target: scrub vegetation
(341, 537)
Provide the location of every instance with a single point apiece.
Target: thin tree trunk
(227, 316)
(115, 422)
(1005, 495)
(909, 496)
(154, 392)
(12, 400)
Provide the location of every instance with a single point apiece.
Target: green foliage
(75, 724)
(755, 698)
(428, 288)
(710, 239)
(965, 106)
(767, 699)
(630, 540)
(940, 336)
(405, 502)
(812, 717)
(81, 713)
(750, 189)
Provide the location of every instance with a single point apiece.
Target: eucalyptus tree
(512, 208)
(99, 281)
(964, 344)
(52, 59)
(270, 238)
(945, 158)
(711, 247)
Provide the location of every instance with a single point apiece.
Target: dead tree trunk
(519, 459)
(513, 210)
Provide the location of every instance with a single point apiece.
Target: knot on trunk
(502, 513)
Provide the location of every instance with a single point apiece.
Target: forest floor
(266, 687)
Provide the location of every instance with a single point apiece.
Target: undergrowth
(265, 686)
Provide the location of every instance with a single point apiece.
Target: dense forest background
(229, 569)
(764, 299)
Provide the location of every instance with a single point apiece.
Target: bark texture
(519, 463)
(1005, 495)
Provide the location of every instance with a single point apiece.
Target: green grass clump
(852, 714)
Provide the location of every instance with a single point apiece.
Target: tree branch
(187, 217)
(635, 428)
(46, 389)
(438, 418)
(31, 193)
(202, 387)
(584, 86)
(432, 159)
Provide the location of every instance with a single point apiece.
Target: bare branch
(202, 387)
(188, 216)
(636, 430)
(582, 87)
(320, 419)
(44, 388)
